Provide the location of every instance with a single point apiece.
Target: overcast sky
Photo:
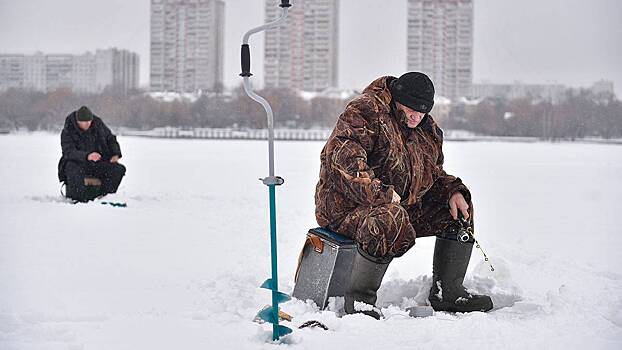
(572, 42)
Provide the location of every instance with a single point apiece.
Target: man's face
(84, 125)
(412, 117)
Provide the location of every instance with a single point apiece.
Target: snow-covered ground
(179, 268)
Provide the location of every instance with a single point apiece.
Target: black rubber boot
(451, 259)
(365, 278)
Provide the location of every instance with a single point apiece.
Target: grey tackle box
(324, 266)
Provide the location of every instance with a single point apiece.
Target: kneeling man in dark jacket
(90, 151)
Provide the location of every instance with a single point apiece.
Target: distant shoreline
(305, 135)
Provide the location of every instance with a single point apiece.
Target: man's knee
(118, 170)
(391, 210)
(435, 219)
(386, 231)
(109, 171)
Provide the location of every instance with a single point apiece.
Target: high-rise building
(83, 73)
(603, 87)
(34, 72)
(302, 53)
(440, 43)
(187, 45)
(58, 71)
(116, 68)
(11, 71)
(87, 73)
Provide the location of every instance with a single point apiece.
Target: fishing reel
(465, 232)
(465, 235)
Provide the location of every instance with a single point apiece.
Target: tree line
(579, 114)
(32, 110)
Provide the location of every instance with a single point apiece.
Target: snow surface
(179, 268)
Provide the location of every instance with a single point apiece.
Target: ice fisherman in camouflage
(382, 183)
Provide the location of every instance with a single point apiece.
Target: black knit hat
(84, 114)
(414, 90)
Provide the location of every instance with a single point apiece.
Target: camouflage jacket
(371, 153)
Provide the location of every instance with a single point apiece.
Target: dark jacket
(370, 153)
(78, 144)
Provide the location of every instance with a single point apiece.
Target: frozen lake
(181, 265)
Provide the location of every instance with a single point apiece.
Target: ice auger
(270, 314)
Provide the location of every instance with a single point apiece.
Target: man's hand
(396, 198)
(94, 156)
(114, 159)
(456, 202)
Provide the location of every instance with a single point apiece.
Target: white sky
(572, 42)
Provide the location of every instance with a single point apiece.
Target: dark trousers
(110, 175)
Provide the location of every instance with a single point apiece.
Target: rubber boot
(365, 278)
(451, 259)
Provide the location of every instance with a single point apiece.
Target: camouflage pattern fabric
(371, 153)
(389, 230)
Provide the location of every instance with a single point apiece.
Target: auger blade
(267, 315)
(281, 297)
(283, 330)
(267, 284)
